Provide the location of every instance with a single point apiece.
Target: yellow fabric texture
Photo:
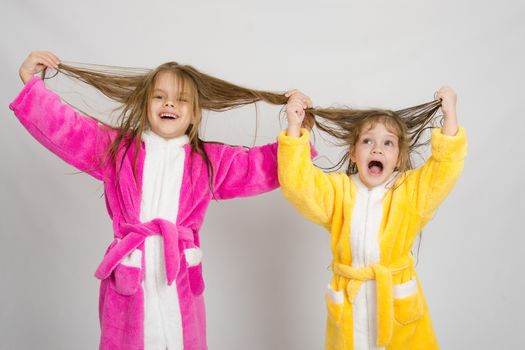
(327, 199)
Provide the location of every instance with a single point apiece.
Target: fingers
(444, 92)
(295, 111)
(298, 101)
(36, 62)
(45, 58)
(291, 92)
(296, 95)
(53, 59)
(448, 99)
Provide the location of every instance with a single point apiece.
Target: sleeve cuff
(25, 90)
(284, 139)
(449, 148)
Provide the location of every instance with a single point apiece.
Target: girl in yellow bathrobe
(374, 213)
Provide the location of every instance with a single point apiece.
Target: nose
(169, 104)
(377, 150)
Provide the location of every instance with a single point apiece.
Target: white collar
(388, 184)
(150, 138)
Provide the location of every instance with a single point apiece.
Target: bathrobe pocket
(408, 303)
(334, 324)
(127, 274)
(193, 258)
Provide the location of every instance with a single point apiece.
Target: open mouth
(169, 116)
(375, 167)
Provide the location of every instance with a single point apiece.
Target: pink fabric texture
(80, 141)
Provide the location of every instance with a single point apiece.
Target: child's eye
(389, 143)
(158, 97)
(182, 99)
(367, 141)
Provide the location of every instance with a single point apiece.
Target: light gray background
(265, 266)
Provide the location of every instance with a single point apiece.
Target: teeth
(168, 115)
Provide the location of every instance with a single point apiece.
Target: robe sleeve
(77, 139)
(432, 182)
(241, 171)
(307, 187)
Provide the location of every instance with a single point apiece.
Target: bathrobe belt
(134, 235)
(384, 285)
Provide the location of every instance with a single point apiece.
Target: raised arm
(431, 183)
(308, 188)
(77, 139)
(243, 172)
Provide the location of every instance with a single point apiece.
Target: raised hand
(448, 99)
(35, 63)
(297, 103)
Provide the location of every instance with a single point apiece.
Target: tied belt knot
(384, 286)
(134, 235)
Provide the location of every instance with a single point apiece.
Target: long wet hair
(132, 89)
(344, 125)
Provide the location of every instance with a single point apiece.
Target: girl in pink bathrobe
(159, 178)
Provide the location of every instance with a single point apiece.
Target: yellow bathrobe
(374, 299)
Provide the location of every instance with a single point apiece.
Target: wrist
(450, 126)
(294, 130)
(449, 114)
(25, 77)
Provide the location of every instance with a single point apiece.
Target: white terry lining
(405, 289)
(193, 256)
(134, 259)
(335, 296)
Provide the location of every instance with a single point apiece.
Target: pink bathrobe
(80, 141)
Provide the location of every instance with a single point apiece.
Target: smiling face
(170, 106)
(376, 154)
